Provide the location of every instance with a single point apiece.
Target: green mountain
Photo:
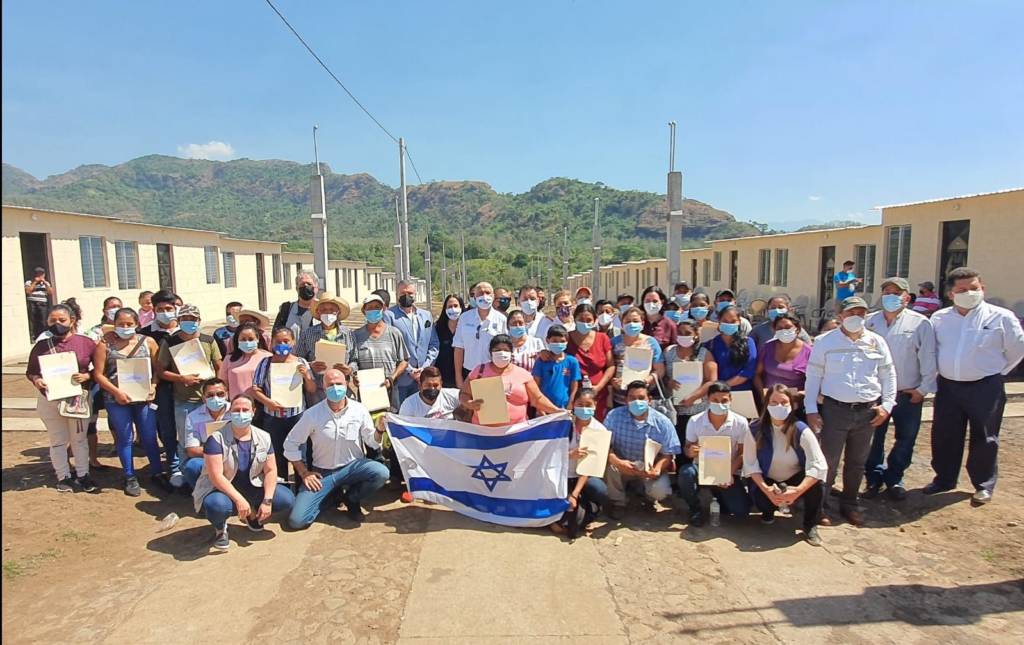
(269, 199)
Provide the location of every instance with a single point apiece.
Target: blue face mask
(166, 317)
(248, 346)
(517, 332)
(775, 313)
(633, 328)
(374, 316)
(682, 299)
(189, 326)
(674, 316)
(282, 349)
(720, 307)
(699, 313)
(216, 403)
(336, 393)
(638, 407)
(584, 327)
(583, 414)
(892, 302)
(728, 329)
(240, 419)
(124, 332)
(721, 409)
(557, 348)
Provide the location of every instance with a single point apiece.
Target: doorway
(956, 235)
(165, 266)
(261, 282)
(35, 252)
(734, 270)
(827, 272)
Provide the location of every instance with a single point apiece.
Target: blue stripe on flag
(442, 438)
(503, 507)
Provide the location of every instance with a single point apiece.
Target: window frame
(211, 260)
(275, 267)
(867, 266)
(716, 266)
(102, 241)
(124, 285)
(233, 282)
(898, 266)
(764, 266)
(781, 277)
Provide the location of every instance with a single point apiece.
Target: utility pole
(549, 269)
(565, 259)
(399, 263)
(406, 270)
(444, 272)
(596, 239)
(465, 285)
(318, 217)
(429, 277)
(675, 210)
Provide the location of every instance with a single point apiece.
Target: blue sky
(788, 112)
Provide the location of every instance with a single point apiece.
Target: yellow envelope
(373, 393)
(743, 404)
(689, 375)
(651, 450)
(330, 353)
(134, 377)
(708, 330)
(714, 461)
(286, 384)
(597, 443)
(190, 358)
(491, 390)
(214, 426)
(57, 370)
(636, 364)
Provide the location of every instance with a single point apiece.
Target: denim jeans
(120, 419)
(219, 507)
(191, 469)
(733, 500)
(278, 429)
(906, 418)
(595, 490)
(361, 478)
(616, 483)
(166, 428)
(181, 411)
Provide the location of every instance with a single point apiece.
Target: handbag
(663, 404)
(76, 407)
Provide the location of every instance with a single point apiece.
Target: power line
(413, 164)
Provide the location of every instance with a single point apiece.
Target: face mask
(282, 349)
(110, 313)
(529, 307)
(785, 335)
(329, 319)
(430, 394)
(189, 326)
(124, 332)
(215, 403)
(624, 308)
(306, 292)
(638, 407)
(699, 313)
(517, 332)
(721, 409)
(633, 328)
(484, 301)
(374, 316)
(652, 308)
(968, 299)
(682, 299)
(248, 346)
(563, 311)
(557, 348)
(674, 316)
(501, 359)
(720, 307)
(58, 330)
(583, 414)
(166, 317)
(583, 301)
(892, 302)
(728, 329)
(605, 319)
(779, 412)
(231, 321)
(471, 303)
(775, 313)
(240, 419)
(453, 313)
(336, 392)
(685, 341)
(584, 327)
(503, 302)
(853, 324)
(406, 300)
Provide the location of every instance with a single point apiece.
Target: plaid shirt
(261, 379)
(305, 345)
(629, 434)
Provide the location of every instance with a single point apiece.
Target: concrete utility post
(465, 285)
(675, 210)
(444, 271)
(565, 259)
(318, 217)
(549, 270)
(399, 263)
(426, 269)
(596, 238)
(404, 199)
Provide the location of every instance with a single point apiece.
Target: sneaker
(935, 488)
(131, 486)
(86, 483)
(768, 518)
(221, 542)
(161, 480)
(698, 518)
(66, 485)
(616, 512)
(353, 512)
(406, 497)
(872, 491)
(177, 480)
(254, 525)
(812, 536)
(981, 496)
(897, 493)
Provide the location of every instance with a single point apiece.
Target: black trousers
(37, 318)
(812, 498)
(959, 405)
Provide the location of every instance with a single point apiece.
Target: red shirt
(82, 346)
(664, 331)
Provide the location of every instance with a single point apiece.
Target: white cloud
(815, 198)
(217, 150)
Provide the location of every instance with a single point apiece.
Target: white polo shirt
(442, 408)
(735, 427)
(473, 335)
(987, 341)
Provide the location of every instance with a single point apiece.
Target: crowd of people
(822, 400)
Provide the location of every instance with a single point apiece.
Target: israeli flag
(513, 475)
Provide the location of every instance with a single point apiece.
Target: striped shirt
(40, 291)
(261, 379)
(525, 355)
(385, 352)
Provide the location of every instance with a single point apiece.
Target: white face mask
(684, 341)
(583, 301)
(501, 359)
(453, 313)
(785, 335)
(605, 319)
(329, 319)
(968, 299)
(779, 412)
(853, 324)
(529, 307)
(652, 308)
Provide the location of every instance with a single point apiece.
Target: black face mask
(306, 292)
(503, 303)
(58, 330)
(406, 301)
(430, 394)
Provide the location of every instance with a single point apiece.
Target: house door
(35, 253)
(827, 271)
(734, 269)
(165, 266)
(261, 282)
(955, 237)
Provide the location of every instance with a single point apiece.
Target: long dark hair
(237, 353)
(739, 349)
(443, 317)
(764, 424)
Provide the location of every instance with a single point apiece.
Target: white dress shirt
(735, 427)
(911, 341)
(987, 341)
(338, 437)
(850, 371)
(785, 462)
(473, 335)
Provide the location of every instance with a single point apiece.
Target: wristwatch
(268, 502)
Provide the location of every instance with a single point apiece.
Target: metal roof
(948, 199)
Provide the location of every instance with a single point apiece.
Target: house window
(781, 267)
(275, 262)
(865, 258)
(212, 270)
(94, 266)
(897, 260)
(287, 274)
(717, 255)
(764, 266)
(127, 256)
(229, 270)
(707, 273)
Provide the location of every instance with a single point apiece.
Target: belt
(859, 405)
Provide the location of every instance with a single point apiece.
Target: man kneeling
(338, 427)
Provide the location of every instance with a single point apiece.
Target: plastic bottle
(716, 513)
(783, 508)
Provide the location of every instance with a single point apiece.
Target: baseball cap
(899, 283)
(189, 310)
(372, 298)
(584, 288)
(853, 302)
(624, 296)
(724, 292)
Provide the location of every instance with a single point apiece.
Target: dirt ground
(94, 568)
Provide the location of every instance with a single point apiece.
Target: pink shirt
(515, 379)
(146, 317)
(239, 375)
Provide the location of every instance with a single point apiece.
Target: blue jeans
(191, 469)
(165, 426)
(219, 507)
(595, 490)
(361, 477)
(121, 418)
(181, 411)
(734, 500)
(906, 418)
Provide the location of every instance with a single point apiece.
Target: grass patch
(988, 555)
(18, 567)
(72, 535)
